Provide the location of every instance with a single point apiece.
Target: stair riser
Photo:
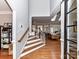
(26, 47)
(31, 38)
(32, 47)
(31, 51)
(32, 41)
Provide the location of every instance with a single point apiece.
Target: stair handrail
(23, 35)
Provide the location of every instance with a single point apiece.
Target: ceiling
(4, 6)
(43, 21)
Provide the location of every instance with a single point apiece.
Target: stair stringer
(23, 46)
(30, 51)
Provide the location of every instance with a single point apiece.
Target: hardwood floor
(50, 51)
(4, 54)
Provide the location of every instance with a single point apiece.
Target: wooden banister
(23, 35)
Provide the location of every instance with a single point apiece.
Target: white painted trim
(14, 34)
(31, 50)
(62, 30)
(10, 2)
(31, 37)
(78, 29)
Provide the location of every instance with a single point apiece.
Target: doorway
(52, 31)
(6, 18)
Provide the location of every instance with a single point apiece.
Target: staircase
(32, 44)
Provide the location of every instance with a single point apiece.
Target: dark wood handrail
(23, 35)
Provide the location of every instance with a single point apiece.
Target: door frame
(11, 6)
(77, 29)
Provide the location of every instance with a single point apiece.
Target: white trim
(14, 34)
(62, 30)
(31, 37)
(77, 29)
(10, 2)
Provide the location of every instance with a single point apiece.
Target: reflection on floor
(4, 54)
(50, 51)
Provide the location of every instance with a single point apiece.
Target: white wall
(5, 18)
(20, 24)
(21, 8)
(38, 8)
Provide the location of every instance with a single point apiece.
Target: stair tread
(28, 46)
(32, 38)
(31, 41)
(25, 53)
(27, 49)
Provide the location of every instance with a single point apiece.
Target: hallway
(50, 51)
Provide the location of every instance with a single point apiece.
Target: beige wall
(4, 18)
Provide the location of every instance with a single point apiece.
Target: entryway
(5, 30)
